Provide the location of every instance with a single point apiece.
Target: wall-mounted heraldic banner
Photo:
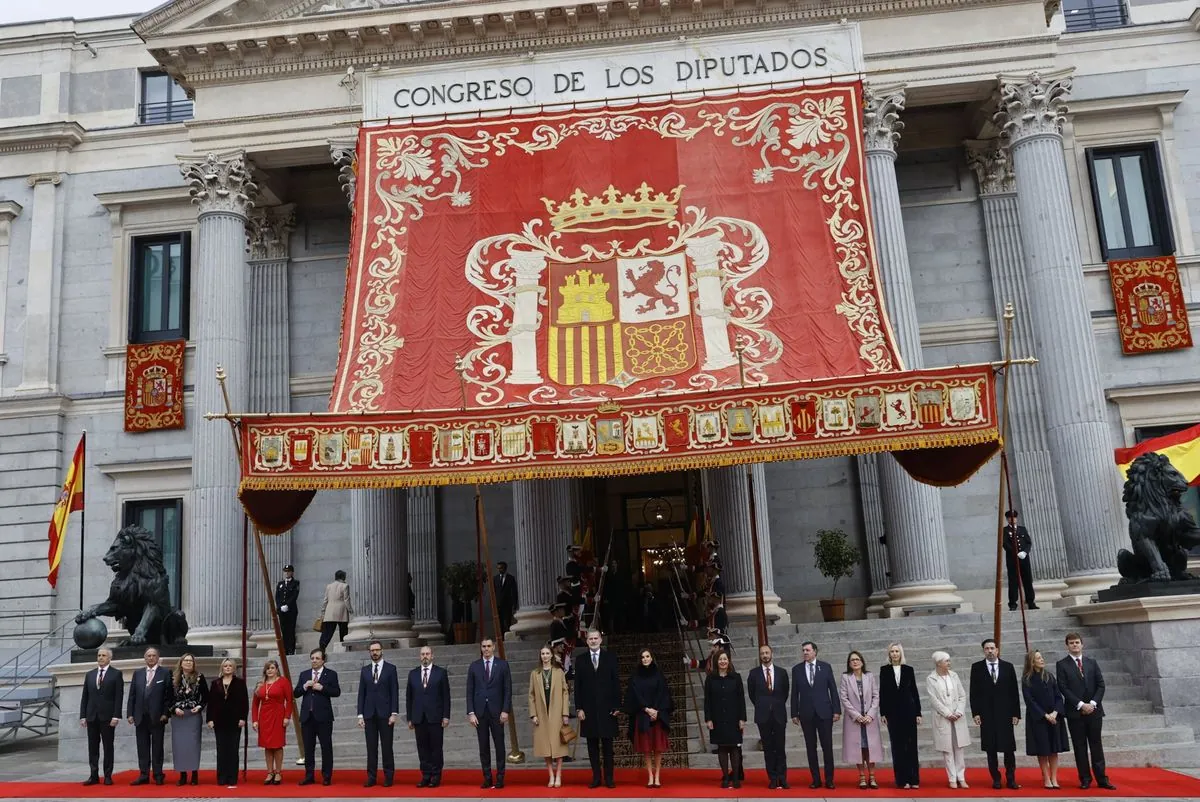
(630, 288)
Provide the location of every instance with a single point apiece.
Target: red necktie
(425, 678)
(770, 684)
(1079, 662)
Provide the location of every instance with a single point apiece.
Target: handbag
(567, 734)
(319, 624)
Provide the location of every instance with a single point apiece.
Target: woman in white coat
(950, 735)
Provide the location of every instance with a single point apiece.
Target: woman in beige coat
(950, 735)
(335, 609)
(549, 703)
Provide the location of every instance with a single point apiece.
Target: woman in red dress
(270, 712)
(648, 702)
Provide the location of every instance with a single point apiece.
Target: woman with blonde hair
(1045, 717)
(950, 735)
(228, 709)
(270, 713)
(900, 710)
(549, 706)
(189, 694)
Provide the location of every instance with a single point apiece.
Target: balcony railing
(1094, 15)
(168, 112)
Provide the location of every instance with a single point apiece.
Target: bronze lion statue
(139, 597)
(1160, 529)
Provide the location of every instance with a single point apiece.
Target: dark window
(158, 308)
(1093, 15)
(163, 100)
(1131, 208)
(163, 518)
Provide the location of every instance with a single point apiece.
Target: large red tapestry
(611, 254)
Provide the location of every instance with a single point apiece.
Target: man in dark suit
(815, 707)
(287, 593)
(597, 702)
(148, 710)
(489, 704)
(505, 588)
(315, 687)
(767, 686)
(378, 709)
(1082, 686)
(100, 712)
(427, 709)
(996, 706)
(1017, 544)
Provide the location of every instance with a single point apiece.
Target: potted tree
(462, 583)
(836, 558)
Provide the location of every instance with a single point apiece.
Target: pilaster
(1031, 474)
(423, 563)
(1077, 433)
(9, 211)
(42, 289)
(916, 538)
(378, 576)
(543, 523)
(221, 186)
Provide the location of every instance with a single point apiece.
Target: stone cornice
(437, 31)
(40, 137)
(1163, 101)
(144, 197)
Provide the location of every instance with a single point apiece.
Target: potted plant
(836, 558)
(462, 583)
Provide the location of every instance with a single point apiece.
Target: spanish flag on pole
(1182, 448)
(70, 500)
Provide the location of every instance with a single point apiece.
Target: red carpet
(677, 784)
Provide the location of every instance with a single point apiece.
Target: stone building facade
(215, 136)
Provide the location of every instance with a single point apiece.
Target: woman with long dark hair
(725, 717)
(549, 710)
(859, 693)
(900, 710)
(189, 695)
(648, 702)
(228, 710)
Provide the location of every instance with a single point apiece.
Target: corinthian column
(1032, 474)
(423, 563)
(1031, 115)
(221, 186)
(916, 539)
(543, 524)
(727, 496)
(267, 233)
(379, 566)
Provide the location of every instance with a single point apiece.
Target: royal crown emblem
(1150, 305)
(612, 211)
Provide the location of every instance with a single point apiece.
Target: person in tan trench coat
(549, 703)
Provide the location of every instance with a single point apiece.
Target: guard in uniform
(287, 593)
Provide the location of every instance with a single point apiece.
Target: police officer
(287, 592)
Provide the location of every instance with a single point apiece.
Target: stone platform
(138, 652)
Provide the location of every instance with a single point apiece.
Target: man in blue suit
(378, 709)
(315, 687)
(489, 704)
(427, 708)
(149, 709)
(815, 707)
(768, 689)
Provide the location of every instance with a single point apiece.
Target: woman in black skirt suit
(1045, 717)
(228, 709)
(900, 710)
(725, 717)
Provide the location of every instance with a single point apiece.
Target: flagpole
(82, 512)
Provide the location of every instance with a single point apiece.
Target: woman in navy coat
(900, 710)
(1045, 717)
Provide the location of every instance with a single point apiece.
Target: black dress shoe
(783, 785)
(997, 784)
(814, 784)
(92, 781)
(725, 782)
(772, 785)
(108, 780)
(1013, 786)
(159, 780)
(1032, 606)
(1106, 785)
(424, 783)
(387, 782)
(369, 784)
(1085, 784)
(487, 783)
(1012, 607)
(326, 781)
(829, 783)
(609, 784)
(499, 781)
(308, 781)
(594, 784)
(435, 782)
(182, 779)
(141, 781)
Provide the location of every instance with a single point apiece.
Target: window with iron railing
(1094, 15)
(163, 100)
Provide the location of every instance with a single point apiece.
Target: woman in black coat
(1045, 717)
(228, 709)
(900, 710)
(725, 717)
(648, 702)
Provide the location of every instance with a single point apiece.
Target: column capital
(268, 230)
(1032, 105)
(881, 117)
(345, 158)
(53, 179)
(220, 182)
(991, 162)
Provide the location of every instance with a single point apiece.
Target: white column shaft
(424, 563)
(873, 531)
(543, 524)
(528, 270)
(714, 317)
(378, 575)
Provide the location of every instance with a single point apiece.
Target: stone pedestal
(912, 512)
(1077, 428)
(543, 523)
(378, 575)
(423, 563)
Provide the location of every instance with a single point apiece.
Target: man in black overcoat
(597, 702)
(996, 705)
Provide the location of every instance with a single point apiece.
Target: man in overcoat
(996, 706)
(597, 702)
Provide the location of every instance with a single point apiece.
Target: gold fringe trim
(660, 464)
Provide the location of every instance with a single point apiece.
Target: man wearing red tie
(1082, 687)
(767, 686)
(427, 710)
(489, 704)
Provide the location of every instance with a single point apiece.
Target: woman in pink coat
(861, 742)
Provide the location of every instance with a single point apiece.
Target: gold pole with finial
(760, 604)
(1009, 316)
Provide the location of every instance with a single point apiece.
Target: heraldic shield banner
(622, 290)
